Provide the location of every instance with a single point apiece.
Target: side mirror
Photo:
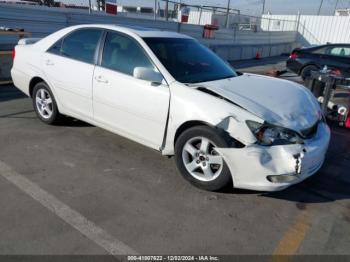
(148, 74)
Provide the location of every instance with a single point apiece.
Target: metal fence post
(227, 13)
(298, 22)
(155, 10)
(166, 10)
(200, 15)
(178, 27)
(269, 32)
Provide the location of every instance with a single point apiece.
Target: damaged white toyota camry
(170, 93)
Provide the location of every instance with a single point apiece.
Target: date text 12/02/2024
(174, 258)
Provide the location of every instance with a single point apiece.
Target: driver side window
(123, 54)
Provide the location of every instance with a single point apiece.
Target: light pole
(89, 6)
(155, 10)
(263, 10)
(336, 5)
(166, 10)
(319, 9)
(227, 12)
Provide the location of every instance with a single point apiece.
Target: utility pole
(336, 5)
(227, 13)
(263, 9)
(155, 10)
(319, 9)
(167, 10)
(90, 7)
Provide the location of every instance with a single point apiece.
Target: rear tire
(45, 105)
(199, 162)
(306, 71)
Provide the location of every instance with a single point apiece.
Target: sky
(253, 7)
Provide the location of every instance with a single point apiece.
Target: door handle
(101, 79)
(49, 62)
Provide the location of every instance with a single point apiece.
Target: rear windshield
(188, 61)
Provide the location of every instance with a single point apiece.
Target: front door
(132, 107)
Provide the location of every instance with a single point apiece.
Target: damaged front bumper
(273, 168)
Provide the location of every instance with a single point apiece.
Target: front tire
(198, 160)
(45, 105)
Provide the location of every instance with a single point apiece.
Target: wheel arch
(192, 123)
(306, 65)
(38, 79)
(35, 80)
(187, 125)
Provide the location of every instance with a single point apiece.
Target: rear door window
(56, 48)
(342, 51)
(319, 51)
(79, 45)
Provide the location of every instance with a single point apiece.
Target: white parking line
(83, 225)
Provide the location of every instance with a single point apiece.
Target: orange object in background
(347, 122)
(111, 7)
(184, 18)
(185, 13)
(209, 31)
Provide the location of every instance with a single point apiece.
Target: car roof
(138, 30)
(330, 45)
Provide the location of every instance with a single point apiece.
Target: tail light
(336, 72)
(13, 53)
(347, 122)
(293, 56)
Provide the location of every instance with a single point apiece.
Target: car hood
(279, 102)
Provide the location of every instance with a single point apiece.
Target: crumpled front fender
(251, 166)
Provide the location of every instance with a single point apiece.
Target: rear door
(69, 65)
(315, 56)
(338, 57)
(132, 107)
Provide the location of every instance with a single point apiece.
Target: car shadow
(72, 122)
(9, 92)
(19, 115)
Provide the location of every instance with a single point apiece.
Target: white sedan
(168, 92)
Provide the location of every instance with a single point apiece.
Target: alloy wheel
(201, 159)
(44, 103)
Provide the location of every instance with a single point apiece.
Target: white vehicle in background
(170, 93)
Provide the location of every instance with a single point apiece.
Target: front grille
(308, 133)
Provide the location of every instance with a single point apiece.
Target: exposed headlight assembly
(269, 135)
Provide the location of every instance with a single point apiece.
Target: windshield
(188, 61)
